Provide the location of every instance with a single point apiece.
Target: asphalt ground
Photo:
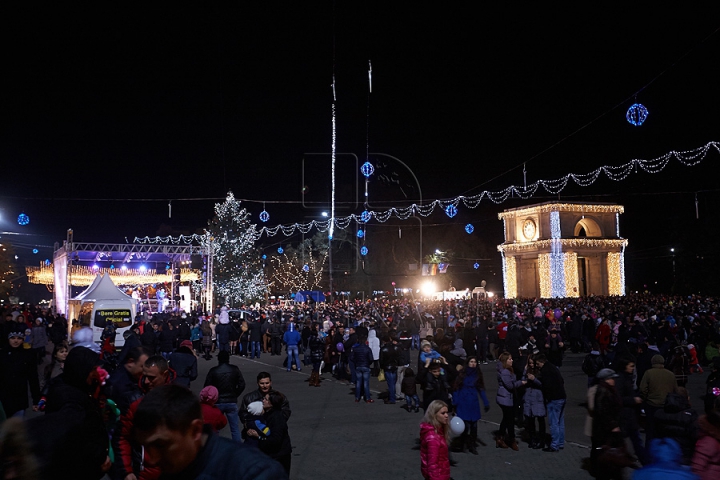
(335, 438)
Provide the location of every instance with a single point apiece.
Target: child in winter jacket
(409, 389)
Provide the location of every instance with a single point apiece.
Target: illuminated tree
(237, 267)
(300, 268)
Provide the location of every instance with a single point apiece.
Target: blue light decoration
(451, 211)
(469, 228)
(364, 251)
(476, 265)
(306, 268)
(264, 216)
(23, 219)
(47, 261)
(35, 251)
(636, 114)
(367, 169)
(365, 216)
(112, 267)
(280, 250)
(361, 233)
(264, 257)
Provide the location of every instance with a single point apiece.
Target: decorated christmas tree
(237, 268)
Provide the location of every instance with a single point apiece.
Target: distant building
(557, 249)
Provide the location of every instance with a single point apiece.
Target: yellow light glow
(572, 284)
(82, 276)
(510, 277)
(592, 243)
(616, 277)
(544, 274)
(428, 288)
(562, 207)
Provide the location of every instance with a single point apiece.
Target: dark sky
(110, 111)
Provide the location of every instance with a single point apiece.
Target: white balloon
(457, 426)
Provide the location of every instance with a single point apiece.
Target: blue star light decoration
(364, 251)
(367, 169)
(306, 268)
(280, 250)
(361, 233)
(264, 257)
(476, 266)
(636, 114)
(35, 251)
(264, 216)
(469, 228)
(23, 219)
(451, 211)
(365, 216)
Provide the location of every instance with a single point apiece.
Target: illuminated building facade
(554, 250)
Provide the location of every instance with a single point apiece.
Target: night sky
(109, 112)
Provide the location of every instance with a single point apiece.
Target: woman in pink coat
(706, 460)
(434, 436)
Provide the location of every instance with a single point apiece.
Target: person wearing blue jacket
(667, 462)
(362, 357)
(292, 339)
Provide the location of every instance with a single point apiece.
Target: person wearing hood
(458, 349)
(677, 420)
(374, 344)
(73, 422)
(666, 465)
(18, 370)
(292, 339)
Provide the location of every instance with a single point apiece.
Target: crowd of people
(639, 351)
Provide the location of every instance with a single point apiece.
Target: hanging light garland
(688, 158)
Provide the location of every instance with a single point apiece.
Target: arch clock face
(529, 229)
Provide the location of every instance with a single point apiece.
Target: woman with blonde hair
(434, 439)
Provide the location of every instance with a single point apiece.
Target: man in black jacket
(264, 382)
(553, 388)
(389, 362)
(230, 384)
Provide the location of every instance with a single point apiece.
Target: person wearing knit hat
(655, 385)
(212, 415)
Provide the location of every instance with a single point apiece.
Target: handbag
(381, 376)
(615, 456)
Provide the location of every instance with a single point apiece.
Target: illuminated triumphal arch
(563, 250)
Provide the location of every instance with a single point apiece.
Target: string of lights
(688, 158)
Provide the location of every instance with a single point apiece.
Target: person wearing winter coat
(434, 438)
(666, 464)
(212, 415)
(389, 362)
(507, 385)
(292, 339)
(606, 424)
(593, 363)
(374, 344)
(677, 420)
(630, 397)
(39, 340)
(18, 370)
(361, 356)
(230, 383)
(706, 459)
(276, 443)
(553, 388)
(73, 422)
(184, 362)
(409, 389)
(534, 406)
(458, 349)
(469, 385)
(316, 344)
